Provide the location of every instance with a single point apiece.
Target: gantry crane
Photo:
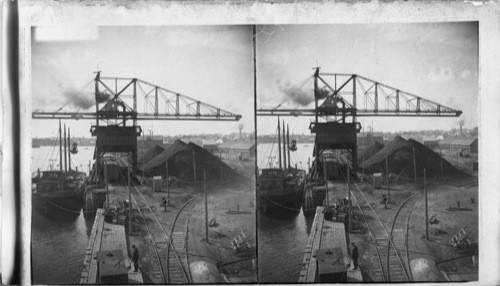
(347, 96)
(116, 113)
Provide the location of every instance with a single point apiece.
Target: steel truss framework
(362, 97)
(340, 98)
(146, 101)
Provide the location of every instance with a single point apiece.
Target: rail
(186, 273)
(170, 245)
(389, 236)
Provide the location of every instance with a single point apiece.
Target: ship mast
(284, 146)
(65, 158)
(288, 144)
(279, 143)
(69, 152)
(60, 148)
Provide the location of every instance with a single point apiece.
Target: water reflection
(283, 237)
(59, 240)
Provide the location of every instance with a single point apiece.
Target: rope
(65, 209)
(285, 207)
(270, 146)
(53, 148)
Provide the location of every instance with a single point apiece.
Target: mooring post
(426, 209)
(206, 205)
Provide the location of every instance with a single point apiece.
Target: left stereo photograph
(143, 155)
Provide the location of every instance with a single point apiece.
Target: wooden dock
(325, 234)
(106, 236)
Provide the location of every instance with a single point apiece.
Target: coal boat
(62, 189)
(282, 187)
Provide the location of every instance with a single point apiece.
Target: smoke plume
(297, 94)
(300, 95)
(322, 92)
(101, 97)
(78, 99)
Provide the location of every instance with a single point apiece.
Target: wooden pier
(106, 237)
(325, 234)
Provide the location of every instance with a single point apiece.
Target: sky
(436, 61)
(213, 64)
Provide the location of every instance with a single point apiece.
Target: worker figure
(385, 200)
(135, 258)
(354, 255)
(164, 202)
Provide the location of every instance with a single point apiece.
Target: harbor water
(59, 239)
(282, 233)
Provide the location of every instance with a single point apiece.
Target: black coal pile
(180, 163)
(399, 155)
(149, 155)
(370, 151)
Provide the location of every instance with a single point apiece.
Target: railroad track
(390, 244)
(158, 265)
(178, 261)
(170, 248)
(399, 233)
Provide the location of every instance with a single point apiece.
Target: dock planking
(324, 234)
(89, 272)
(106, 236)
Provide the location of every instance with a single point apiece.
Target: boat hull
(64, 201)
(280, 189)
(291, 201)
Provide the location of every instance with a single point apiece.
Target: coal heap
(149, 155)
(399, 155)
(180, 163)
(370, 151)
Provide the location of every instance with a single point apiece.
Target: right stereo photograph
(367, 152)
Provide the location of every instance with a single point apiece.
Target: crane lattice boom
(355, 95)
(145, 100)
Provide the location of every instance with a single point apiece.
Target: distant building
(415, 137)
(367, 139)
(209, 145)
(148, 142)
(245, 149)
(430, 142)
(465, 146)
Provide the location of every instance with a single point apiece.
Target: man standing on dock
(135, 258)
(354, 255)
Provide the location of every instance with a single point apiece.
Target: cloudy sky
(213, 64)
(437, 61)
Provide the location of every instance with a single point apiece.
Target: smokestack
(240, 128)
(461, 123)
